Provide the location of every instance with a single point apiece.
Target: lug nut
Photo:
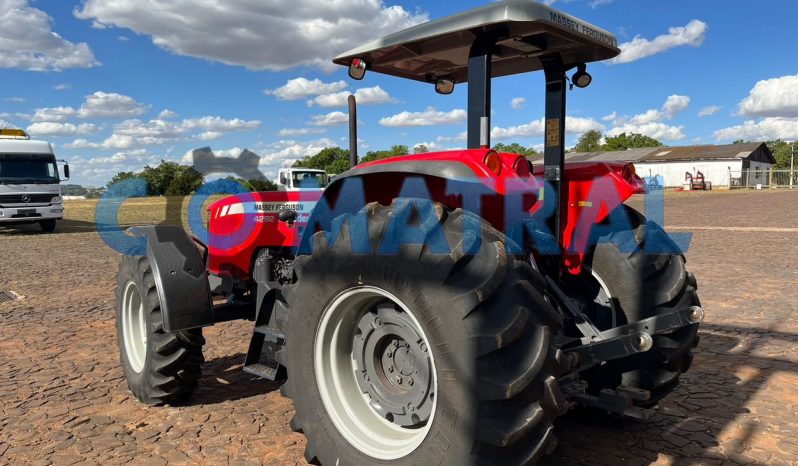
(389, 353)
(399, 380)
(411, 382)
(390, 369)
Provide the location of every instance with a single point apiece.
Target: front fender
(180, 277)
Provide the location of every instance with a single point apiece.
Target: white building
(670, 165)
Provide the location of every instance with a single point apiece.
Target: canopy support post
(479, 91)
(554, 152)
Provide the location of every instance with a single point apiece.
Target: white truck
(304, 179)
(30, 190)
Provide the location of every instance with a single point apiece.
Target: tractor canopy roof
(525, 29)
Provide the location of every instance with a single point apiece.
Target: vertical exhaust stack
(352, 131)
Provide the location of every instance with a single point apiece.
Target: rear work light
(493, 162)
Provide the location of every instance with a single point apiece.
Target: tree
(395, 151)
(589, 142)
(186, 181)
(631, 141)
(122, 176)
(166, 179)
(782, 151)
(327, 159)
(260, 185)
(420, 149)
(514, 148)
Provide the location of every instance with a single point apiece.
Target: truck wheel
(624, 287)
(48, 226)
(421, 358)
(160, 367)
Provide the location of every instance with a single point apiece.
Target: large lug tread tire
(496, 366)
(645, 285)
(172, 360)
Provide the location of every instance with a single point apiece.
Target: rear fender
(180, 277)
(594, 190)
(451, 183)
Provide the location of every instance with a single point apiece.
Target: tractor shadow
(704, 421)
(223, 379)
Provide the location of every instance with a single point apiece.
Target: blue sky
(118, 85)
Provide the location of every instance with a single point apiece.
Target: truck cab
(30, 190)
(304, 179)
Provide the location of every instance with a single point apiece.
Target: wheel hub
(394, 369)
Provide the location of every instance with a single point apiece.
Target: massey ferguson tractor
(439, 308)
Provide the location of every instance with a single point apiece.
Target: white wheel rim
(134, 326)
(607, 299)
(335, 369)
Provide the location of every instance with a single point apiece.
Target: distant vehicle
(30, 190)
(296, 179)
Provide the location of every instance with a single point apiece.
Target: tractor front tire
(421, 358)
(638, 285)
(160, 367)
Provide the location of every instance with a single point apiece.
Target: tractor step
(266, 371)
(619, 401)
(261, 357)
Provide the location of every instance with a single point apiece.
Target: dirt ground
(63, 399)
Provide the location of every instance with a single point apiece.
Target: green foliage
(420, 149)
(122, 176)
(589, 142)
(255, 185)
(782, 151)
(631, 141)
(395, 151)
(515, 148)
(168, 178)
(327, 159)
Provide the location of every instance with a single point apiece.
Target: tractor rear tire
(492, 371)
(642, 285)
(160, 367)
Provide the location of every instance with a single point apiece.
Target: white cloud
(62, 87)
(764, 129)
(536, 128)
(219, 124)
(675, 104)
(365, 96)
(257, 35)
(285, 152)
(110, 105)
(16, 100)
(137, 133)
(777, 97)
(518, 103)
(597, 3)
(656, 130)
(650, 122)
(611, 117)
(52, 128)
(53, 114)
(708, 110)
(692, 34)
(330, 119)
(28, 42)
(166, 113)
(291, 132)
(430, 117)
(97, 105)
(301, 88)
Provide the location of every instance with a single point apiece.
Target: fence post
(770, 178)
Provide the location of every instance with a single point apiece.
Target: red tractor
(437, 308)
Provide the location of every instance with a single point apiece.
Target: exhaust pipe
(352, 131)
